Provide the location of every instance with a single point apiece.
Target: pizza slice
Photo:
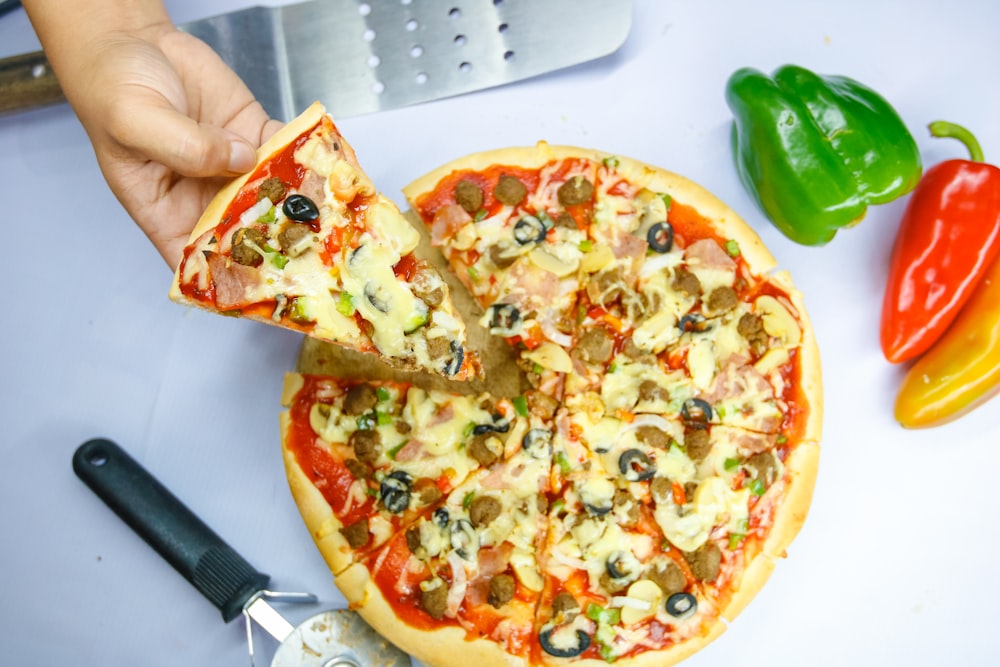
(464, 578)
(661, 531)
(304, 241)
(513, 225)
(366, 459)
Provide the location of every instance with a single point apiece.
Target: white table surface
(897, 561)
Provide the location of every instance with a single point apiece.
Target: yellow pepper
(961, 371)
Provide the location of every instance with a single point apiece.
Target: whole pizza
(636, 493)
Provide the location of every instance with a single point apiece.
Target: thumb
(185, 146)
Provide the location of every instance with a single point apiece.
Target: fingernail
(241, 157)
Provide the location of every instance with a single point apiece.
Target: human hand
(169, 122)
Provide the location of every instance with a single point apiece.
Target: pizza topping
(697, 444)
(705, 562)
(597, 495)
(295, 239)
(623, 566)
(366, 444)
(395, 491)
(469, 196)
(503, 319)
(483, 509)
(640, 602)
(721, 300)
(563, 641)
(537, 442)
(360, 398)
(681, 605)
(577, 190)
(510, 190)
(272, 189)
(501, 590)
(434, 597)
(636, 466)
(356, 533)
(660, 237)
(247, 244)
(696, 412)
(596, 345)
(530, 229)
(300, 208)
(464, 538)
(668, 576)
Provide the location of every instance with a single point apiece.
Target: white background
(897, 561)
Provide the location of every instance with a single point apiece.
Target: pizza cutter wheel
(335, 638)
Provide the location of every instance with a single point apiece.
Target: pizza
(306, 242)
(657, 461)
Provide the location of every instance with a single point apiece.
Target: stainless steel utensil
(329, 639)
(360, 56)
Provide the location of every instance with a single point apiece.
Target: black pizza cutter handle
(167, 525)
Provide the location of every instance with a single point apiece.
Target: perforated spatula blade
(360, 56)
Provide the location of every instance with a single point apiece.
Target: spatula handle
(27, 82)
(167, 525)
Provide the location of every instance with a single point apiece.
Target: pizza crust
(324, 527)
(442, 647)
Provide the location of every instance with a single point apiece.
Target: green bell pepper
(815, 151)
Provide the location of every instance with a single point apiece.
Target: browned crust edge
(323, 526)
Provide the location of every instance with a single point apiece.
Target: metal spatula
(338, 638)
(360, 56)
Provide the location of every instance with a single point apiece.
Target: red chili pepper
(949, 235)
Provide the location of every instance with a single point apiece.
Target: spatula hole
(364, 9)
(412, 25)
(460, 40)
(465, 67)
(378, 87)
(421, 78)
(374, 61)
(368, 35)
(454, 13)
(508, 55)
(416, 51)
(502, 28)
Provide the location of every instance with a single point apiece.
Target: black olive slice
(538, 443)
(694, 323)
(660, 237)
(529, 229)
(598, 510)
(464, 540)
(500, 425)
(582, 644)
(300, 208)
(504, 319)
(618, 565)
(441, 517)
(636, 466)
(454, 365)
(377, 302)
(395, 491)
(696, 411)
(681, 605)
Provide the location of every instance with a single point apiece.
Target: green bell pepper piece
(815, 151)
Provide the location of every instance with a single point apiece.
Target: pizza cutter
(334, 638)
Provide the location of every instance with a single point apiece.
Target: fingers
(181, 144)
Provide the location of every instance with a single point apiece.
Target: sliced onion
(554, 335)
